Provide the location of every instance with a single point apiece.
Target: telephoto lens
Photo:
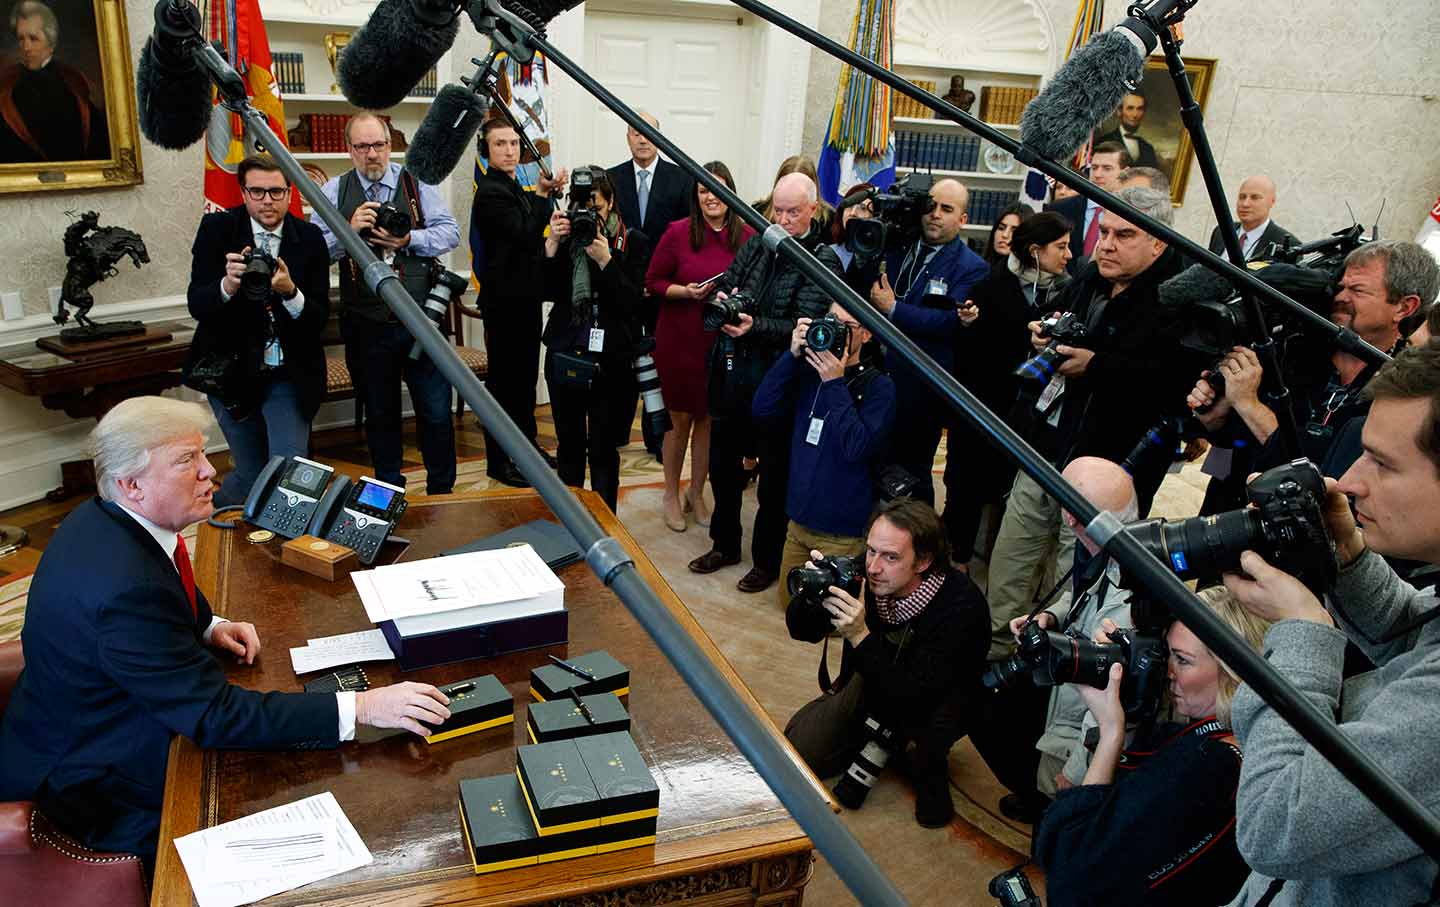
(445, 286)
(855, 785)
(656, 418)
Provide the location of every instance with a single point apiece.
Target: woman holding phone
(691, 254)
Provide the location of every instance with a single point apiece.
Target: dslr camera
(584, 225)
(393, 220)
(812, 581)
(1012, 889)
(725, 311)
(260, 267)
(829, 334)
(444, 286)
(1064, 328)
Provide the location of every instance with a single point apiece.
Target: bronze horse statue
(93, 251)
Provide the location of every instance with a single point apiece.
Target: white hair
(121, 443)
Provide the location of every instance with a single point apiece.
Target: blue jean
(275, 429)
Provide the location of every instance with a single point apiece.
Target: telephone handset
(359, 516)
(287, 495)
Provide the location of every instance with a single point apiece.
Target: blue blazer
(927, 322)
(114, 667)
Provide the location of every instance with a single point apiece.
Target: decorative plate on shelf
(998, 160)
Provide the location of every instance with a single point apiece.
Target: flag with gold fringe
(859, 143)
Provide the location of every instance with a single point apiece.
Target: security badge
(937, 287)
(812, 437)
(597, 340)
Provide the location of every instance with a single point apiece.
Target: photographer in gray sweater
(1311, 838)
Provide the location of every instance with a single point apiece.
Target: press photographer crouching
(914, 633)
(593, 328)
(1153, 823)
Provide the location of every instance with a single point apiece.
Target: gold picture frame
(95, 31)
(1161, 126)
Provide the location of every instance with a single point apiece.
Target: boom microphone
(395, 48)
(1196, 283)
(173, 91)
(445, 134)
(1091, 84)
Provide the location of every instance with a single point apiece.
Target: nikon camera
(1065, 328)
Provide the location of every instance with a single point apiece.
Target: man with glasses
(257, 353)
(377, 345)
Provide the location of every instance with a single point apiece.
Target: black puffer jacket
(779, 289)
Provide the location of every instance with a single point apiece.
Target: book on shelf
(1004, 104)
(288, 70)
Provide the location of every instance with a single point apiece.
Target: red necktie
(1092, 234)
(187, 575)
(1244, 238)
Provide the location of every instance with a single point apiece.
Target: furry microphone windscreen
(174, 103)
(1196, 283)
(391, 53)
(445, 135)
(1085, 91)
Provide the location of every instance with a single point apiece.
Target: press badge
(937, 287)
(1048, 404)
(597, 340)
(812, 437)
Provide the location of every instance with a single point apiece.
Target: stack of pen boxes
(582, 787)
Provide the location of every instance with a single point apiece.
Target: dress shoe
(510, 475)
(1022, 809)
(711, 561)
(673, 522)
(757, 580)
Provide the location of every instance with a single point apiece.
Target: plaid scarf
(897, 610)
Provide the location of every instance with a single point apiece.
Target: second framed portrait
(1148, 121)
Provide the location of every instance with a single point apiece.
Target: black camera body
(897, 220)
(1286, 526)
(584, 225)
(813, 582)
(719, 312)
(1012, 889)
(829, 334)
(1065, 328)
(260, 267)
(393, 220)
(1049, 659)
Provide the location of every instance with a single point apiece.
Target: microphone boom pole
(1398, 804)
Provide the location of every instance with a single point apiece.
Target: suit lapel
(152, 549)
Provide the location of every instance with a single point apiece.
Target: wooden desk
(724, 839)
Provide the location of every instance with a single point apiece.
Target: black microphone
(397, 46)
(539, 12)
(1196, 283)
(445, 134)
(1091, 84)
(174, 93)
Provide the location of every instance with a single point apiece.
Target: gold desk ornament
(335, 42)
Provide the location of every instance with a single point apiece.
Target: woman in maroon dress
(691, 253)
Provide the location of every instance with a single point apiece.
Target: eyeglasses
(367, 147)
(257, 193)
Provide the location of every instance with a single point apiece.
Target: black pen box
(559, 719)
(551, 681)
(476, 704)
(499, 833)
(557, 787)
(627, 790)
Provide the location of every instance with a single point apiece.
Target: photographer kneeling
(590, 338)
(916, 633)
(1156, 825)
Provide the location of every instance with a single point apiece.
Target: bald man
(1260, 237)
(919, 291)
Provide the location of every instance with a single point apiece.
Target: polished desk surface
(400, 793)
(26, 368)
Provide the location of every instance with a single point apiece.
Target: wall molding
(33, 327)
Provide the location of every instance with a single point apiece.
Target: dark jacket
(1073, 210)
(512, 224)
(832, 483)
(224, 327)
(913, 669)
(617, 288)
(988, 350)
(670, 191)
(1147, 156)
(1274, 239)
(114, 667)
(930, 320)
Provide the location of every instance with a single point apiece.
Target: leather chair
(39, 864)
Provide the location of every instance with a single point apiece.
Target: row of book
(1004, 105)
(936, 151)
(909, 107)
(288, 69)
(986, 204)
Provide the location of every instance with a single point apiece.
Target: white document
(347, 648)
(278, 852)
(453, 583)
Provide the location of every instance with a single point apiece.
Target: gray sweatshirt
(1298, 818)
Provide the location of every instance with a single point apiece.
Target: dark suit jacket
(669, 196)
(1147, 156)
(1271, 241)
(114, 667)
(1073, 210)
(930, 322)
(234, 326)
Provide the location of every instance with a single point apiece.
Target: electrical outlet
(54, 295)
(10, 306)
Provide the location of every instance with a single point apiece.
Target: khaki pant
(798, 543)
(1032, 525)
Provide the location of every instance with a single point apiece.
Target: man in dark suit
(651, 194)
(1107, 161)
(115, 642)
(1260, 237)
(273, 390)
(932, 278)
(1127, 132)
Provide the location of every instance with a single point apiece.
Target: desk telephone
(295, 497)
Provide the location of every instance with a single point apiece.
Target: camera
(260, 267)
(854, 786)
(719, 312)
(829, 334)
(584, 225)
(1049, 659)
(812, 582)
(444, 286)
(1285, 526)
(1012, 889)
(897, 220)
(1065, 328)
(656, 417)
(393, 220)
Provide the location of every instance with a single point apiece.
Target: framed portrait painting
(67, 97)
(1148, 121)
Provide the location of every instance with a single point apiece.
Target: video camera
(1064, 328)
(897, 220)
(584, 225)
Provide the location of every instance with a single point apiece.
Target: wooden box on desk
(318, 557)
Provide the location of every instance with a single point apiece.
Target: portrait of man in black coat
(47, 111)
